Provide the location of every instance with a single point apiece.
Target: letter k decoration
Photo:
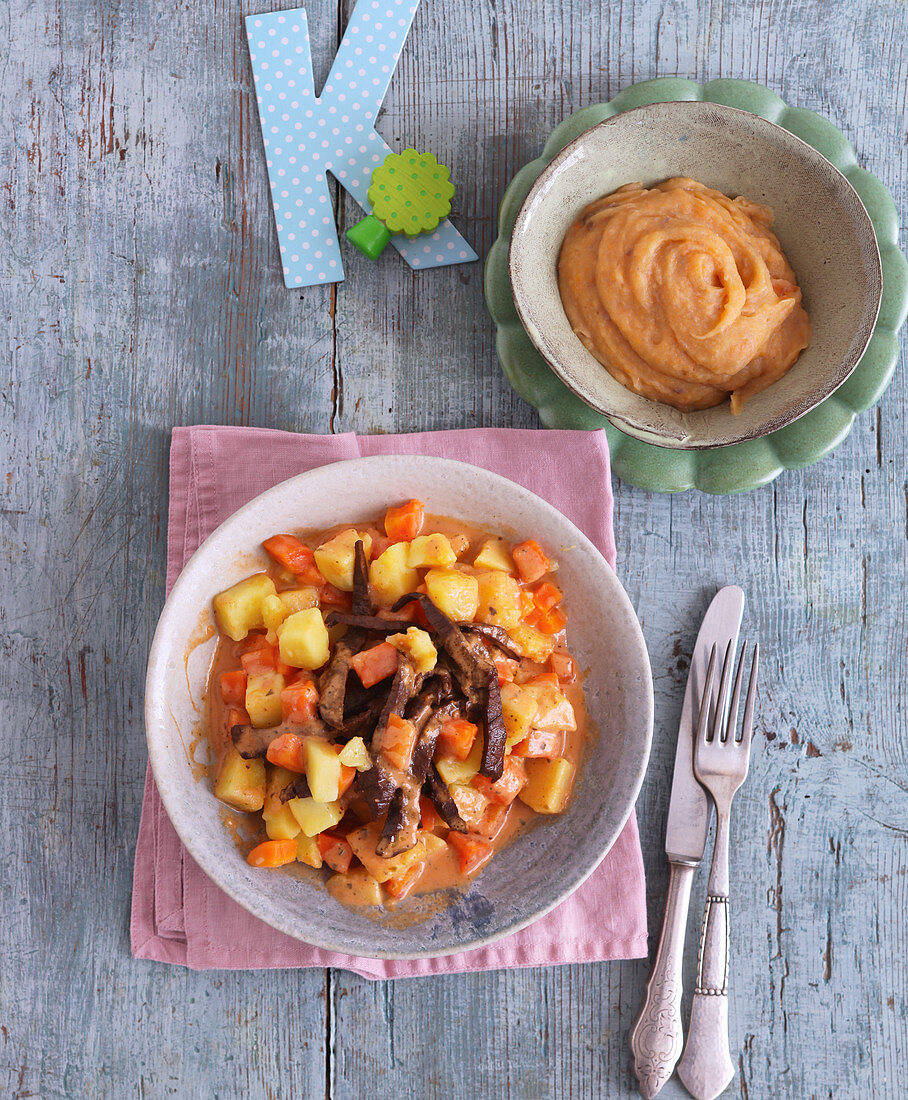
(306, 136)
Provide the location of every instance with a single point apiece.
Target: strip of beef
(497, 635)
(428, 736)
(496, 736)
(378, 783)
(299, 788)
(333, 683)
(401, 828)
(367, 622)
(252, 742)
(436, 789)
(471, 663)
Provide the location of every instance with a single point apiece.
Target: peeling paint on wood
(140, 289)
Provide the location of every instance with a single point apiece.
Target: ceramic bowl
(821, 223)
(545, 864)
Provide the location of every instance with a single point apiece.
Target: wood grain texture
(140, 289)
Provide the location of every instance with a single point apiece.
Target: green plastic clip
(410, 193)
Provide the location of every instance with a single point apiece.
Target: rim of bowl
(646, 433)
(156, 702)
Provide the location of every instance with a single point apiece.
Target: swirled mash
(683, 294)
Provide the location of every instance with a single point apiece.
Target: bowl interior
(821, 223)
(543, 866)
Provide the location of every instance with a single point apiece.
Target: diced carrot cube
(404, 522)
(397, 742)
(272, 853)
(288, 751)
(253, 642)
(564, 666)
(233, 687)
(551, 621)
(262, 659)
(428, 815)
(292, 554)
(329, 596)
(527, 605)
(336, 852)
(456, 738)
(504, 790)
(473, 851)
(505, 667)
(539, 745)
(237, 716)
(531, 561)
(547, 595)
(348, 774)
(299, 700)
(375, 664)
(400, 886)
(541, 678)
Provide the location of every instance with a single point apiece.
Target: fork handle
(656, 1037)
(706, 1067)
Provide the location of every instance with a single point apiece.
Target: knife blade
(656, 1038)
(688, 809)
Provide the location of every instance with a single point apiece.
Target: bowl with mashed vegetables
(696, 273)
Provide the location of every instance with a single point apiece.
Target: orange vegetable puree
(683, 294)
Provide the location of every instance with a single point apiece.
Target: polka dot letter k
(307, 136)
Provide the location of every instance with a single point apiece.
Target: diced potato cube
(435, 846)
(303, 639)
(281, 825)
(274, 611)
(241, 783)
(518, 707)
(363, 842)
(453, 770)
(454, 593)
(335, 558)
(417, 645)
(263, 699)
(308, 851)
(355, 755)
(239, 609)
(430, 550)
(278, 778)
(355, 887)
(390, 574)
(531, 642)
(499, 599)
(323, 770)
(554, 712)
(471, 804)
(548, 785)
(298, 599)
(314, 817)
(495, 555)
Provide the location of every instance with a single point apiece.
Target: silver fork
(720, 763)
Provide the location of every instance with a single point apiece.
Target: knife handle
(656, 1037)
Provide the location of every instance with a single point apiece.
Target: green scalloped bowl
(741, 466)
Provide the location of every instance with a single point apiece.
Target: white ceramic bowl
(821, 223)
(543, 866)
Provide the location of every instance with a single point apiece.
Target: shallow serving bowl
(821, 223)
(543, 866)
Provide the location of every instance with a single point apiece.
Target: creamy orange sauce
(441, 872)
(683, 294)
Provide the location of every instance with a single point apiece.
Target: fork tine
(722, 700)
(704, 699)
(747, 727)
(735, 698)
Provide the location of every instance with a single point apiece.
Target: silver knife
(656, 1038)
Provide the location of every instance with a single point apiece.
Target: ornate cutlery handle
(656, 1037)
(706, 1067)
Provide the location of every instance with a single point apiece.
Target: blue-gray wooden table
(140, 288)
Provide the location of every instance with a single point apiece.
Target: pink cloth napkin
(178, 914)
